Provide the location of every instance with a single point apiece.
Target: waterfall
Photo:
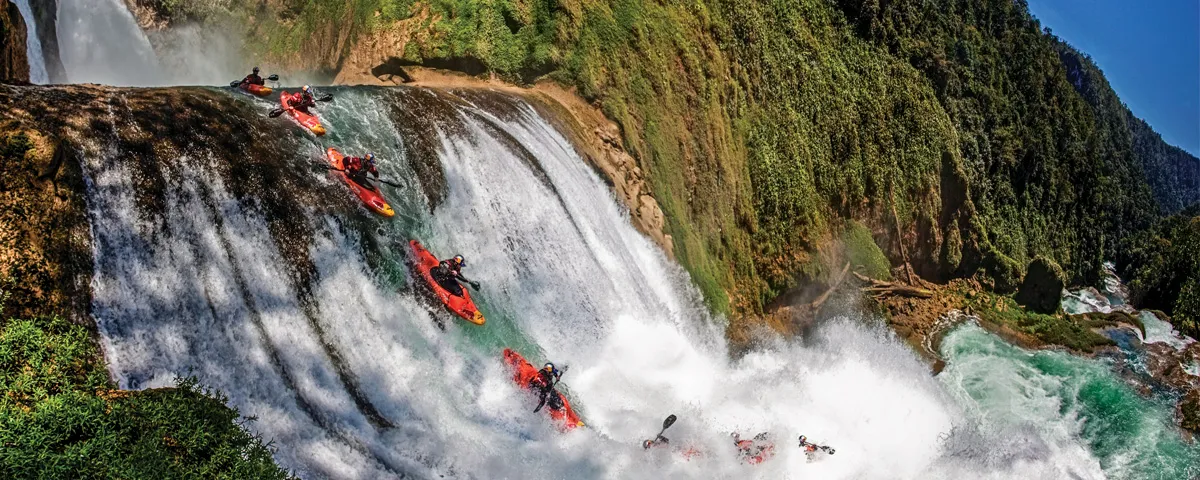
(100, 42)
(33, 46)
(232, 256)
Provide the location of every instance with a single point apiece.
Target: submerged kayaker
(449, 272)
(753, 451)
(660, 441)
(544, 384)
(302, 100)
(357, 168)
(253, 78)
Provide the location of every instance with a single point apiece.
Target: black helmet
(803, 438)
(255, 69)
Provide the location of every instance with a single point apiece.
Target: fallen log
(880, 288)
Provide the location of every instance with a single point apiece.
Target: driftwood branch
(880, 288)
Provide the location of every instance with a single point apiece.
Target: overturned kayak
(523, 373)
(371, 197)
(309, 121)
(462, 306)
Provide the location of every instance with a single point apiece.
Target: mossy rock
(1041, 290)
(1003, 271)
(862, 252)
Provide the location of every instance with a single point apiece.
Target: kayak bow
(523, 373)
(309, 121)
(371, 197)
(462, 306)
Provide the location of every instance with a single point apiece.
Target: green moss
(1073, 332)
(54, 422)
(861, 251)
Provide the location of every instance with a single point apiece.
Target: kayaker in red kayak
(449, 272)
(253, 78)
(754, 451)
(357, 168)
(302, 100)
(544, 384)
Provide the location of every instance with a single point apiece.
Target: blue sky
(1149, 51)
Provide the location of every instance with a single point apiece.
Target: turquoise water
(1064, 396)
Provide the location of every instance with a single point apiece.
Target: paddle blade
(273, 78)
(326, 98)
(275, 113)
(234, 84)
(669, 421)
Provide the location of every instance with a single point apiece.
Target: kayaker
(660, 441)
(750, 448)
(358, 168)
(302, 100)
(810, 449)
(449, 272)
(253, 78)
(806, 445)
(544, 384)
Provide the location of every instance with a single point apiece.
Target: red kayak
(309, 121)
(461, 306)
(258, 90)
(523, 373)
(755, 452)
(371, 197)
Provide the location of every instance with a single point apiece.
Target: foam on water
(350, 377)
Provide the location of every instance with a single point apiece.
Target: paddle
(237, 83)
(560, 374)
(385, 182)
(670, 420)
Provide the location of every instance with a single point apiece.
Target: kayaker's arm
(459, 276)
(542, 401)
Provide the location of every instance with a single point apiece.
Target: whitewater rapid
(344, 369)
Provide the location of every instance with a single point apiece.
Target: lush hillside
(964, 137)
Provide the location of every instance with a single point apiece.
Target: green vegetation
(1162, 268)
(61, 418)
(978, 139)
(1071, 331)
(862, 251)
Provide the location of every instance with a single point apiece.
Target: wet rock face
(1041, 291)
(45, 15)
(14, 64)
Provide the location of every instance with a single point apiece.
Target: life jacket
(253, 79)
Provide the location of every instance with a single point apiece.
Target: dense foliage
(1162, 268)
(61, 418)
(961, 134)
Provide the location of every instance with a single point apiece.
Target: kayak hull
(462, 306)
(523, 373)
(372, 198)
(257, 90)
(306, 120)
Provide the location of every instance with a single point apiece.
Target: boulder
(1041, 291)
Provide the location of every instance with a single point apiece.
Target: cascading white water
(33, 46)
(354, 380)
(101, 42)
